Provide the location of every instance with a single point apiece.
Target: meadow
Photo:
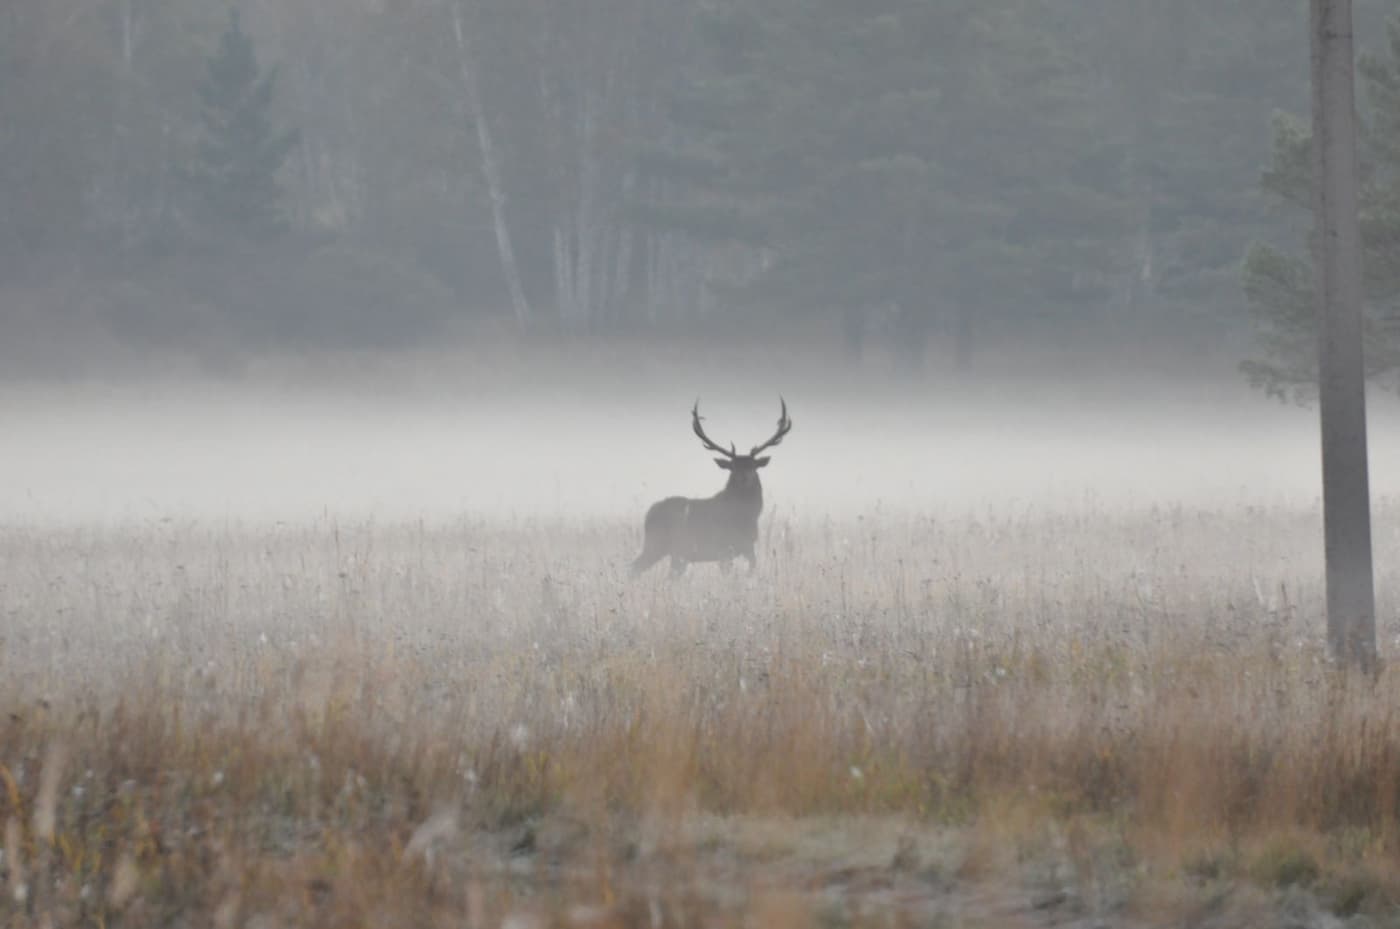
(1033, 716)
(356, 647)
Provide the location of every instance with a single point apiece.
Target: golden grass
(411, 725)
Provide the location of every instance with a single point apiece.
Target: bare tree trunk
(964, 337)
(1142, 265)
(622, 274)
(490, 168)
(583, 273)
(587, 229)
(129, 219)
(1346, 502)
(853, 325)
(128, 35)
(655, 283)
(564, 273)
(582, 237)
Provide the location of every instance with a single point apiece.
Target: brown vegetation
(1115, 715)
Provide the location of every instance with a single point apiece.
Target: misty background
(446, 451)
(406, 256)
(945, 178)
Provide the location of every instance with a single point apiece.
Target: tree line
(918, 171)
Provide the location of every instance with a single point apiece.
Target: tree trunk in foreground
(1351, 622)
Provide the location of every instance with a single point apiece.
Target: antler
(784, 427)
(695, 418)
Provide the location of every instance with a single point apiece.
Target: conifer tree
(240, 152)
(1278, 282)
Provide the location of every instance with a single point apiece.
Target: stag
(719, 528)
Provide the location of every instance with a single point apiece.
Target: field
(362, 652)
(1020, 718)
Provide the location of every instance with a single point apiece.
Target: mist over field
(249, 452)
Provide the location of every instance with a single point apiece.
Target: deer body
(719, 528)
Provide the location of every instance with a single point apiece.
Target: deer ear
(725, 463)
(761, 462)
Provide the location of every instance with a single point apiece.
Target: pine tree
(239, 152)
(1278, 282)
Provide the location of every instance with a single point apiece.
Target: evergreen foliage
(1278, 279)
(240, 152)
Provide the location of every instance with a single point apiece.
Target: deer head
(743, 469)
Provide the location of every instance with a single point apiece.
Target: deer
(719, 528)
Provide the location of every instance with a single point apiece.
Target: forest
(310, 174)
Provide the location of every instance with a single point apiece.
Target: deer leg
(752, 560)
(645, 560)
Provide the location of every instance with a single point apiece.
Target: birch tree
(588, 85)
(565, 92)
(490, 162)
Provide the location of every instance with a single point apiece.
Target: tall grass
(348, 725)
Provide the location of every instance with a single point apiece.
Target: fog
(344, 346)
(666, 180)
(649, 169)
(246, 452)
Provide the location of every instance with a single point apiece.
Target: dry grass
(999, 718)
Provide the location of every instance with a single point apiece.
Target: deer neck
(743, 495)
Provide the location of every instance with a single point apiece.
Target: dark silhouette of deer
(719, 528)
